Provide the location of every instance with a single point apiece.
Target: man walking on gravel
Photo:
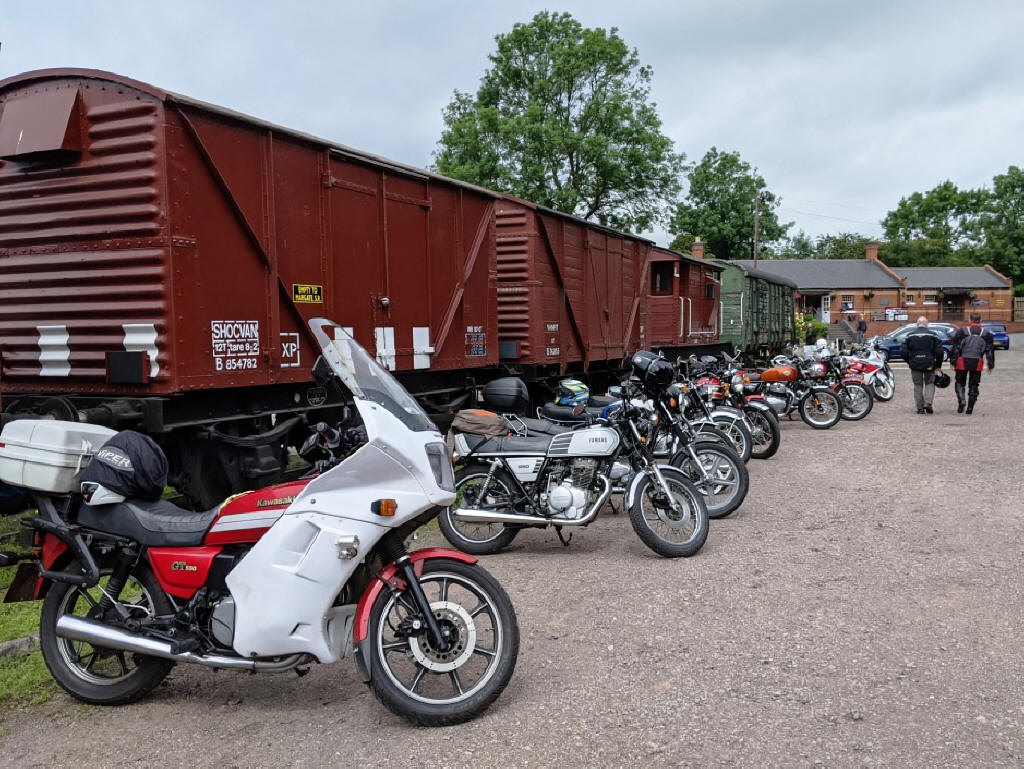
(972, 346)
(922, 350)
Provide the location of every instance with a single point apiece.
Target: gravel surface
(862, 608)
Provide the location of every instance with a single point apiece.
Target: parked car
(891, 343)
(1000, 339)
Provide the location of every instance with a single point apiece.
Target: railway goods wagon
(757, 309)
(681, 307)
(159, 259)
(577, 298)
(567, 290)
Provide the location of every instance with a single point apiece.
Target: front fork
(393, 550)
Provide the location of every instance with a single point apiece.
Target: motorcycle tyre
(449, 713)
(742, 476)
(491, 546)
(149, 671)
(824, 426)
(882, 389)
(852, 416)
(651, 538)
(745, 451)
(772, 427)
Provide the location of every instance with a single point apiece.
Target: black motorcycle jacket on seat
(922, 350)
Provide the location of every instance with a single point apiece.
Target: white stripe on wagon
(54, 353)
(421, 349)
(141, 337)
(385, 338)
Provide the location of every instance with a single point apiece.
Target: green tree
(1002, 225)
(719, 207)
(845, 245)
(798, 246)
(563, 118)
(940, 226)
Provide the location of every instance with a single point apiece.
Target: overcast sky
(844, 107)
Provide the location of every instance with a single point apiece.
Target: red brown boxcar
(682, 305)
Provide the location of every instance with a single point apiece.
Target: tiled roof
(824, 274)
(949, 277)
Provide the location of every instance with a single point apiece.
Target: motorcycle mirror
(322, 373)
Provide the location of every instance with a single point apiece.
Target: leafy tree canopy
(563, 118)
(719, 207)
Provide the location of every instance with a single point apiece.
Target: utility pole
(757, 227)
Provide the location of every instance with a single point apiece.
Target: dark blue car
(890, 343)
(1000, 339)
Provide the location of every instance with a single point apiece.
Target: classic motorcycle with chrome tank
(507, 483)
(279, 579)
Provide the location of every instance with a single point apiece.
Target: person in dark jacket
(972, 346)
(862, 329)
(922, 350)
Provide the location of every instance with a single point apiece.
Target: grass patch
(25, 680)
(17, 620)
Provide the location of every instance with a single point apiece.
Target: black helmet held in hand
(941, 379)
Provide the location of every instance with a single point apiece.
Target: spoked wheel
(721, 478)
(882, 388)
(857, 400)
(94, 674)
(738, 434)
(430, 687)
(471, 492)
(765, 432)
(820, 409)
(671, 530)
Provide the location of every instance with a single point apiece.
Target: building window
(709, 290)
(910, 299)
(931, 299)
(847, 301)
(884, 301)
(661, 278)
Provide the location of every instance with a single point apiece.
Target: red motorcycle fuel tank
(779, 374)
(246, 517)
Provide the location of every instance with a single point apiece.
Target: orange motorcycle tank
(779, 374)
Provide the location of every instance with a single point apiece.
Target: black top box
(507, 395)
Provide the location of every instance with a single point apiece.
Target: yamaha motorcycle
(508, 483)
(300, 573)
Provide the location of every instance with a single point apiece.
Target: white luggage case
(47, 455)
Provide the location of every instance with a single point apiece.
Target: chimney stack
(697, 249)
(871, 250)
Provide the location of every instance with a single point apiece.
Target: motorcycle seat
(507, 444)
(557, 413)
(600, 401)
(543, 427)
(156, 523)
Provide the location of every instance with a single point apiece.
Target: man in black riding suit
(922, 350)
(972, 346)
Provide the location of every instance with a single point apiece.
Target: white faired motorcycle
(272, 580)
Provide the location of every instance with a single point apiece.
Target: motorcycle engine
(222, 621)
(568, 492)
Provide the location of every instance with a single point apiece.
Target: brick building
(834, 289)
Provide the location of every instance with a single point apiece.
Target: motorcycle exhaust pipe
(99, 634)
(489, 516)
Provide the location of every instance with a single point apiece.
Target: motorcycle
(792, 385)
(873, 366)
(856, 396)
(508, 483)
(278, 579)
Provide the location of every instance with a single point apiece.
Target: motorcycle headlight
(737, 382)
(441, 465)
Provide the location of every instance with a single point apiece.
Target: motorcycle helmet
(572, 392)
(655, 373)
(942, 380)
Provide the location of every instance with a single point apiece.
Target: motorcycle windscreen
(367, 380)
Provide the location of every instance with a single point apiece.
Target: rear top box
(48, 455)
(507, 395)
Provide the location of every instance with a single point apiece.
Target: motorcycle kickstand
(615, 508)
(565, 542)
